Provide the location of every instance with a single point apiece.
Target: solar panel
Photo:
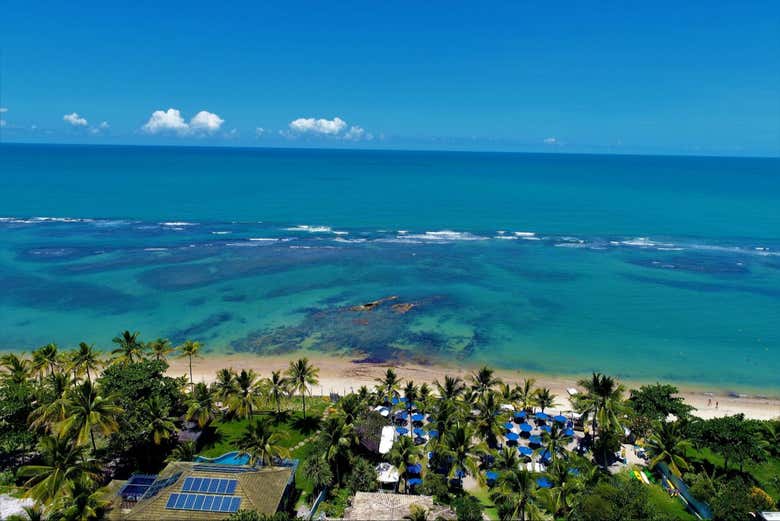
(209, 485)
(203, 503)
(160, 484)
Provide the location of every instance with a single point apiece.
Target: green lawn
(764, 473)
(483, 495)
(672, 507)
(225, 434)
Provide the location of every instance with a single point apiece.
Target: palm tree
(451, 389)
(160, 425)
(224, 385)
(351, 407)
(602, 401)
(261, 444)
(45, 360)
(462, 451)
(545, 398)
(507, 459)
(487, 424)
(63, 463)
(87, 410)
(566, 487)
(417, 513)
(129, 349)
(185, 451)
(160, 349)
(526, 394)
(507, 393)
(84, 504)
(772, 437)
(554, 440)
(17, 369)
(277, 386)
(483, 381)
(667, 444)
(302, 375)
(85, 360)
(33, 513)
(517, 491)
(403, 454)
(335, 439)
(424, 397)
(245, 398)
(387, 387)
(200, 406)
(53, 403)
(318, 472)
(190, 349)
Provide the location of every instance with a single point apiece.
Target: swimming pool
(230, 458)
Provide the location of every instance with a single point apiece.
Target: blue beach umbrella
(535, 440)
(525, 451)
(414, 482)
(520, 415)
(545, 455)
(543, 483)
(512, 436)
(568, 432)
(419, 432)
(509, 426)
(414, 469)
(546, 428)
(526, 427)
(403, 398)
(402, 430)
(491, 475)
(418, 417)
(560, 418)
(402, 415)
(433, 433)
(541, 416)
(394, 401)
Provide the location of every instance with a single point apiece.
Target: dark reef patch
(201, 329)
(705, 287)
(57, 253)
(234, 298)
(695, 263)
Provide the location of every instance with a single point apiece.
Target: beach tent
(386, 440)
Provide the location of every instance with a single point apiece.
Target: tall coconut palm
(161, 349)
(602, 402)
(85, 360)
(425, 396)
(483, 381)
(351, 407)
(666, 443)
(335, 439)
(463, 453)
(507, 393)
(224, 385)
(184, 451)
(554, 441)
(261, 444)
(387, 386)
(403, 454)
(302, 375)
(46, 360)
(545, 398)
(16, 368)
(200, 405)
(516, 490)
(190, 349)
(53, 403)
(526, 394)
(487, 424)
(86, 503)
(451, 388)
(565, 490)
(245, 398)
(507, 459)
(411, 393)
(276, 387)
(63, 463)
(129, 348)
(160, 425)
(86, 411)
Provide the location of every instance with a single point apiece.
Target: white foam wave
(310, 229)
(445, 236)
(221, 233)
(155, 249)
(263, 239)
(177, 224)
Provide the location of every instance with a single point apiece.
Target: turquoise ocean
(642, 267)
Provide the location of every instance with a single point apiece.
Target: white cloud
(75, 120)
(104, 125)
(3, 109)
(2, 123)
(330, 127)
(171, 120)
(259, 131)
(551, 141)
(206, 122)
(356, 133)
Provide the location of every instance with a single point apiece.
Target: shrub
(362, 478)
(467, 508)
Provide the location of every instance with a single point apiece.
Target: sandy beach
(341, 374)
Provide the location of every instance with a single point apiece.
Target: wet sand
(341, 374)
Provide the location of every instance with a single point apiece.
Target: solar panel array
(209, 485)
(203, 503)
(160, 484)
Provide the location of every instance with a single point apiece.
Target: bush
(436, 485)
(619, 499)
(468, 508)
(701, 486)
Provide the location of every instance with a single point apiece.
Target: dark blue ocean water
(645, 267)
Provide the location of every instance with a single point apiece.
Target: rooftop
(379, 506)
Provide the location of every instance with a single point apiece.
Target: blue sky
(653, 77)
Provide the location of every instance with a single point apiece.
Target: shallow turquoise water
(645, 267)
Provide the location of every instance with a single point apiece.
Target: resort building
(208, 491)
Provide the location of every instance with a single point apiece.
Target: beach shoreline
(345, 373)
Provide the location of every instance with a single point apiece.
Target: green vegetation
(68, 417)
